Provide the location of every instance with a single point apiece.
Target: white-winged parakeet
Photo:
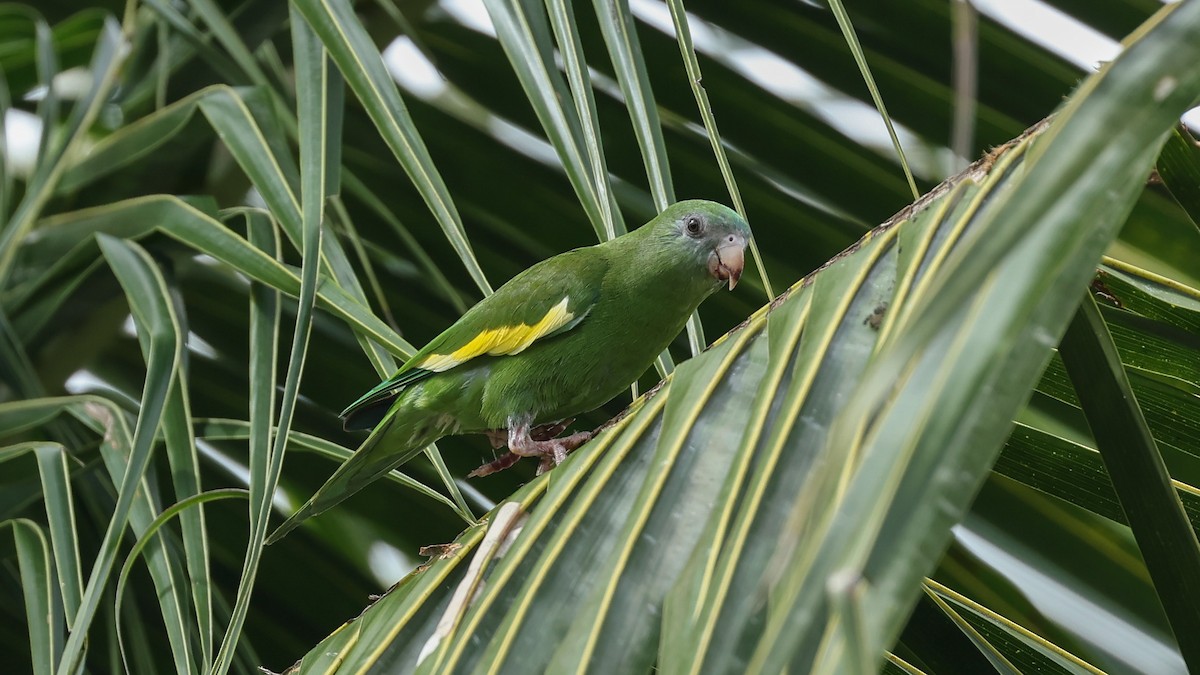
(559, 339)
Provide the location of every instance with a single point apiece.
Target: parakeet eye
(693, 226)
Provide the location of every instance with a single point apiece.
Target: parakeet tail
(400, 436)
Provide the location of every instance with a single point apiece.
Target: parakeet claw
(545, 432)
(539, 442)
(496, 465)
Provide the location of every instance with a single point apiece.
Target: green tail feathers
(400, 436)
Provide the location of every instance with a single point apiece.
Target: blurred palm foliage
(234, 221)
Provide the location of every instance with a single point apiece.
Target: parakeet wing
(548, 299)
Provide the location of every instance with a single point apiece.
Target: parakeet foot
(538, 441)
(542, 432)
(552, 451)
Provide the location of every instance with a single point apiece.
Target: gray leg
(526, 441)
(552, 451)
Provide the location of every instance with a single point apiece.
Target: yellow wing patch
(500, 341)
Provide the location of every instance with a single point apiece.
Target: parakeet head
(708, 234)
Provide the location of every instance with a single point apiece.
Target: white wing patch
(501, 341)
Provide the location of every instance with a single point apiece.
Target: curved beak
(727, 260)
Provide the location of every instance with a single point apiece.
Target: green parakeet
(561, 338)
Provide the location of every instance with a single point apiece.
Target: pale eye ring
(693, 226)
